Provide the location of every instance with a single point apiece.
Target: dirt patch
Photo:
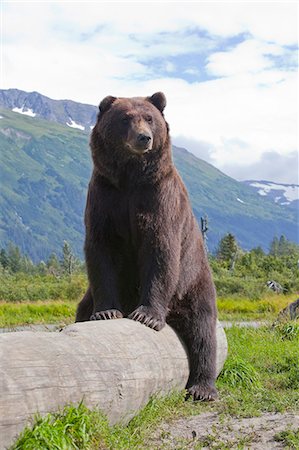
(209, 430)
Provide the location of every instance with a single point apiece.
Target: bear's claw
(146, 316)
(202, 393)
(107, 315)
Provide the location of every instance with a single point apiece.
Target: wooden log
(115, 365)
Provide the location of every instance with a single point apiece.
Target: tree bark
(115, 365)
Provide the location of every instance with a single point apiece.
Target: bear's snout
(144, 139)
(143, 142)
(139, 141)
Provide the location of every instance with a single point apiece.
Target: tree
(258, 251)
(4, 259)
(283, 245)
(53, 264)
(26, 265)
(69, 261)
(274, 246)
(14, 258)
(228, 249)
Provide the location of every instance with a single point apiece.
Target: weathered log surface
(115, 365)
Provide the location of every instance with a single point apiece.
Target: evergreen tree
(69, 261)
(26, 265)
(227, 248)
(274, 246)
(14, 258)
(258, 251)
(4, 262)
(53, 261)
(283, 246)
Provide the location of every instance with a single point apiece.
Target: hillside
(45, 170)
(66, 112)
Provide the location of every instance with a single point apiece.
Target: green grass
(30, 299)
(260, 375)
(242, 308)
(14, 314)
(238, 373)
(289, 438)
(71, 428)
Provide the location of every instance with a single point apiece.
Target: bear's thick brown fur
(144, 251)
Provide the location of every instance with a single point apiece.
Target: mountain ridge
(45, 171)
(34, 104)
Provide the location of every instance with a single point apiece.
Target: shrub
(238, 373)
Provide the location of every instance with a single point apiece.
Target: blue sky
(228, 69)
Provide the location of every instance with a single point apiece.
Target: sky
(229, 70)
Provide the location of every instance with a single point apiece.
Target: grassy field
(63, 311)
(260, 375)
(28, 313)
(45, 298)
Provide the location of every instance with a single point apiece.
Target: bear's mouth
(139, 151)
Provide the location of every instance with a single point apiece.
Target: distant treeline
(235, 271)
(13, 261)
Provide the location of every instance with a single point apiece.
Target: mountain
(65, 112)
(280, 193)
(45, 170)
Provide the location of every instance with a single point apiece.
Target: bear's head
(129, 128)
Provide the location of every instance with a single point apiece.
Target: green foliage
(228, 248)
(276, 364)
(238, 373)
(287, 330)
(253, 269)
(69, 261)
(22, 287)
(289, 438)
(288, 366)
(12, 261)
(73, 428)
(282, 247)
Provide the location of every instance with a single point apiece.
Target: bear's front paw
(202, 393)
(106, 315)
(148, 317)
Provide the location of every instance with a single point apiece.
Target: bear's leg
(85, 307)
(104, 281)
(159, 272)
(195, 323)
(85, 310)
(202, 349)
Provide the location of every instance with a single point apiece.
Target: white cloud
(270, 166)
(85, 51)
(250, 56)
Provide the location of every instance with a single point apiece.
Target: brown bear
(144, 252)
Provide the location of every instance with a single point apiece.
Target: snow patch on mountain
(290, 192)
(26, 111)
(73, 124)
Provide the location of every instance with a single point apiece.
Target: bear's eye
(149, 119)
(125, 119)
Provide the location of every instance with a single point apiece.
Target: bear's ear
(106, 103)
(158, 100)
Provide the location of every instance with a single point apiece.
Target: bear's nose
(143, 138)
